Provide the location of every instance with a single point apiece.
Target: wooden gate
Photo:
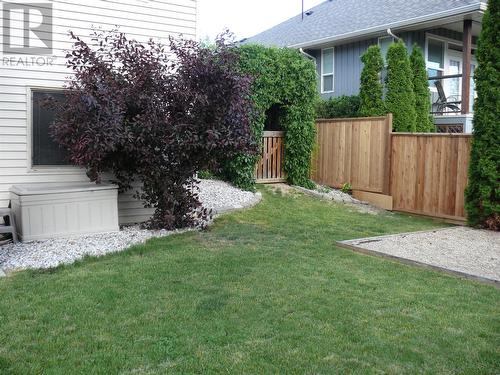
(269, 169)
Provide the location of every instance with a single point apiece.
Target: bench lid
(58, 188)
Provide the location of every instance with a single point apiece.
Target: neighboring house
(337, 32)
(27, 153)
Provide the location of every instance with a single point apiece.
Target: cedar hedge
(483, 191)
(424, 121)
(400, 98)
(371, 88)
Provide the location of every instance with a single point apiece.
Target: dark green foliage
(483, 192)
(207, 174)
(424, 121)
(346, 188)
(340, 107)
(285, 78)
(240, 170)
(400, 99)
(371, 88)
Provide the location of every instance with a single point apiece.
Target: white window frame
(445, 52)
(446, 41)
(42, 169)
(323, 74)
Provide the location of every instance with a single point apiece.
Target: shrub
(483, 191)
(282, 77)
(400, 99)
(424, 121)
(139, 114)
(340, 107)
(346, 188)
(371, 88)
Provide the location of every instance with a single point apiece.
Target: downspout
(301, 50)
(315, 61)
(389, 31)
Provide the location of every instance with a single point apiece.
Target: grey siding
(348, 67)
(348, 64)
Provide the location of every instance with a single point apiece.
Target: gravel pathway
(216, 195)
(466, 250)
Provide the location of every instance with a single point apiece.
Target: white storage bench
(44, 211)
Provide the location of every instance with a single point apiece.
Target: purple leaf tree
(154, 113)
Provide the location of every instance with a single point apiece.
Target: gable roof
(340, 19)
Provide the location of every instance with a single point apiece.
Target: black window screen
(45, 150)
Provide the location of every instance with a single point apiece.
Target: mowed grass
(262, 291)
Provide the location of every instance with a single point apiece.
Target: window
(327, 68)
(44, 151)
(435, 57)
(384, 43)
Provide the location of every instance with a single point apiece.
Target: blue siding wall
(347, 68)
(348, 64)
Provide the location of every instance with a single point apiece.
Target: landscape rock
(216, 195)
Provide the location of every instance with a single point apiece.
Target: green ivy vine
(283, 77)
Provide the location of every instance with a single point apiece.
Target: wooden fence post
(388, 156)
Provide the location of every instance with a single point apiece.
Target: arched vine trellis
(281, 77)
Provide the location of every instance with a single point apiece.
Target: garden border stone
(219, 196)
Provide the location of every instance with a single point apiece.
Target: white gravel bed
(222, 197)
(216, 195)
(51, 253)
(461, 249)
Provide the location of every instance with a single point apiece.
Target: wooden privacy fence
(418, 173)
(269, 169)
(429, 173)
(355, 151)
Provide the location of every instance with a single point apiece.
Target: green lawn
(263, 291)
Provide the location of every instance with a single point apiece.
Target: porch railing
(446, 95)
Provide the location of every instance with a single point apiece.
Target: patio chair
(443, 102)
(9, 225)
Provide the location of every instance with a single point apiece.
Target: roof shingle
(337, 17)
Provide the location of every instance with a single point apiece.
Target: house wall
(347, 67)
(140, 20)
(347, 59)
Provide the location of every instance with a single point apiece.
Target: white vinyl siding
(138, 19)
(327, 70)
